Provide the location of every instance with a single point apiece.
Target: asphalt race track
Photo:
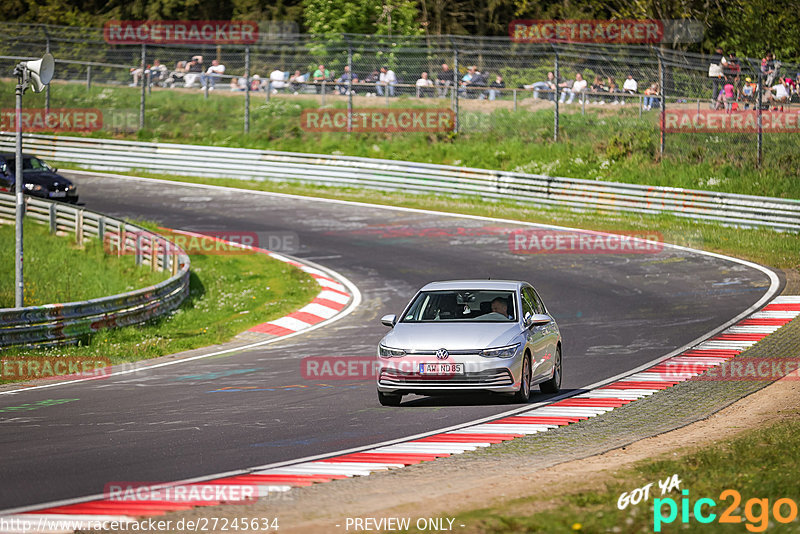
(616, 311)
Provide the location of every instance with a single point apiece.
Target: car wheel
(524, 393)
(554, 384)
(389, 399)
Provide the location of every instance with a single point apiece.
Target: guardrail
(59, 323)
(223, 162)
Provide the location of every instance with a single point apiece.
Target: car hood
(44, 178)
(451, 336)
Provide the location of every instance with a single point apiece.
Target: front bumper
(401, 375)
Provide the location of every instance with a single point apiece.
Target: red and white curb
(705, 355)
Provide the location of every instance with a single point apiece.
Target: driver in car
(500, 306)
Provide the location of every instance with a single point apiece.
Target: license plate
(58, 194)
(441, 368)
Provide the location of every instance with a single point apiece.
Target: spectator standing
(423, 85)
(212, 75)
(386, 79)
(716, 70)
(496, 86)
(728, 95)
(444, 80)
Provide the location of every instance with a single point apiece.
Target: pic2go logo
(756, 511)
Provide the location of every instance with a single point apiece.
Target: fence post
(88, 78)
(138, 254)
(247, 89)
(205, 90)
(323, 92)
(141, 99)
(79, 228)
(122, 240)
(663, 106)
(555, 98)
(101, 230)
(760, 135)
(515, 100)
(153, 253)
(455, 87)
(350, 87)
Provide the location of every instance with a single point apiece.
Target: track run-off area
(256, 407)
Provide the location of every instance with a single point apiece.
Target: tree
(390, 17)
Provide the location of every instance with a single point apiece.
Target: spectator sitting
(613, 89)
(596, 88)
(372, 79)
(194, 69)
(477, 82)
(386, 79)
(235, 85)
(650, 95)
(466, 79)
(423, 86)
(548, 86)
(630, 86)
(577, 87)
(778, 94)
(770, 68)
(136, 72)
(321, 76)
(495, 86)
(346, 76)
(210, 78)
(296, 81)
(256, 84)
(748, 92)
(277, 81)
(157, 72)
(444, 80)
(176, 75)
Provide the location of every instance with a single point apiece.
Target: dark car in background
(40, 180)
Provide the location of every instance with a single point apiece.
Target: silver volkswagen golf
(478, 335)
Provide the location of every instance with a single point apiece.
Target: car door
(549, 331)
(537, 342)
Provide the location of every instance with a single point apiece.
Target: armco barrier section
(239, 163)
(59, 323)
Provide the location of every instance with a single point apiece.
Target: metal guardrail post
(142, 97)
(138, 254)
(153, 253)
(53, 213)
(79, 228)
(101, 230)
(247, 89)
(121, 237)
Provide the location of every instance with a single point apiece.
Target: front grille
(490, 377)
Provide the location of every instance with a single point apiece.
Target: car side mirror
(536, 319)
(389, 320)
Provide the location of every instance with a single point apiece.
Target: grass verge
(762, 245)
(761, 464)
(604, 144)
(228, 294)
(56, 269)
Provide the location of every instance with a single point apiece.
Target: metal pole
(323, 91)
(47, 89)
(515, 100)
(88, 78)
(555, 98)
(663, 102)
(19, 186)
(455, 88)
(760, 136)
(350, 88)
(141, 99)
(247, 89)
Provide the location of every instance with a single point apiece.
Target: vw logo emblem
(442, 354)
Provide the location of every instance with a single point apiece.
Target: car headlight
(33, 187)
(500, 352)
(388, 352)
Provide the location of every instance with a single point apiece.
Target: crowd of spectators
(729, 89)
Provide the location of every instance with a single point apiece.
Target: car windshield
(462, 306)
